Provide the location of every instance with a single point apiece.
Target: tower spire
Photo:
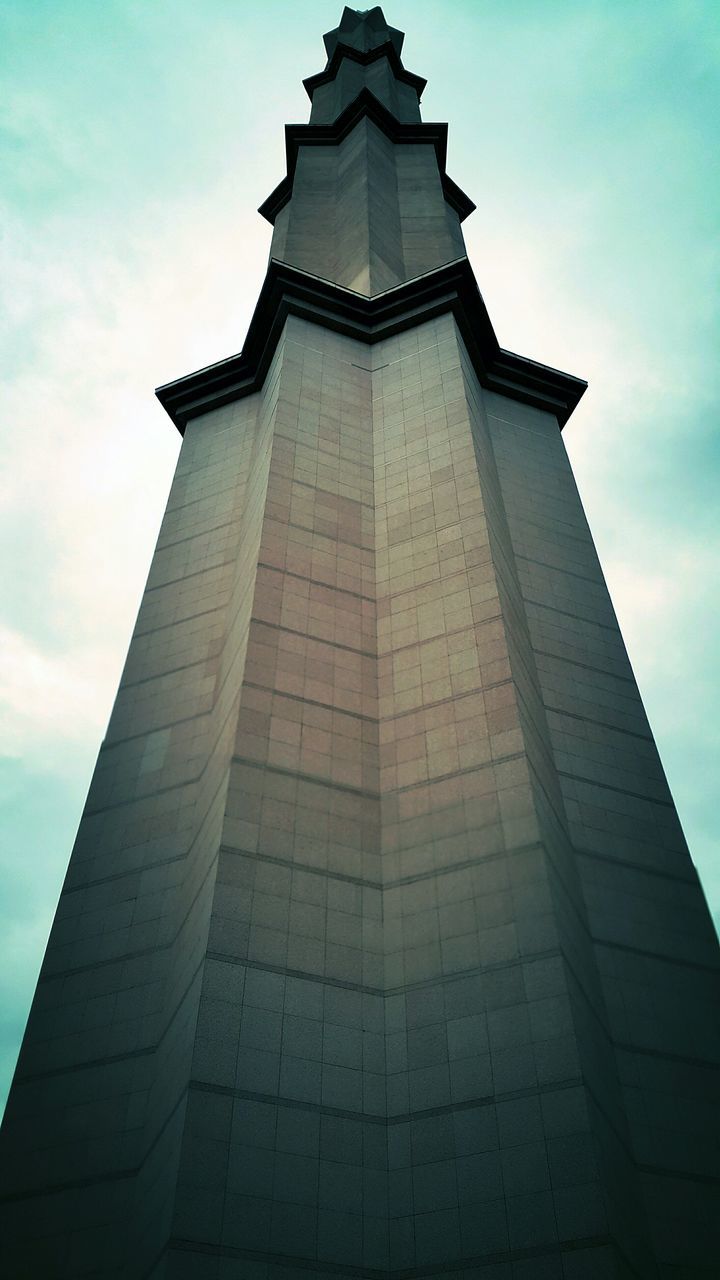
(363, 29)
(366, 202)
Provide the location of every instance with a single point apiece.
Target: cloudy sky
(138, 137)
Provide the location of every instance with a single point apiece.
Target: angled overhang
(324, 135)
(450, 288)
(387, 50)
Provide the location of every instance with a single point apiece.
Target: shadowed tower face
(380, 951)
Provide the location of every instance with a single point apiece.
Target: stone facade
(380, 951)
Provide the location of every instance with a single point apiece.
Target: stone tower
(380, 952)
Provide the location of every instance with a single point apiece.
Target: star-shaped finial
(363, 30)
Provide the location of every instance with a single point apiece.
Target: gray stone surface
(380, 950)
(367, 213)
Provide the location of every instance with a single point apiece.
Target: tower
(380, 951)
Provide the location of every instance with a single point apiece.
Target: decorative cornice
(398, 131)
(289, 291)
(311, 83)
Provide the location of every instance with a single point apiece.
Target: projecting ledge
(364, 58)
(365, 104)
(450, 288)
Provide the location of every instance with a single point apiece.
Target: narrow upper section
(366, 202)
(367, 238)
(363, 29)
(364, 52)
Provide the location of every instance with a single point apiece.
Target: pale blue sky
(136, 141)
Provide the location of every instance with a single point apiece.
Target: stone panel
(367, 213)
(653, 940)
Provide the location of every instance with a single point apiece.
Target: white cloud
(46, 700)
(88, 453)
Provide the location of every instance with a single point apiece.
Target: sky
(138, 137)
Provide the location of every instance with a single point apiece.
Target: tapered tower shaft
(380, 952)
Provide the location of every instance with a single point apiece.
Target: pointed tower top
(363, 30)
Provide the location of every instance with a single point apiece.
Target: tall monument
(380, 953)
